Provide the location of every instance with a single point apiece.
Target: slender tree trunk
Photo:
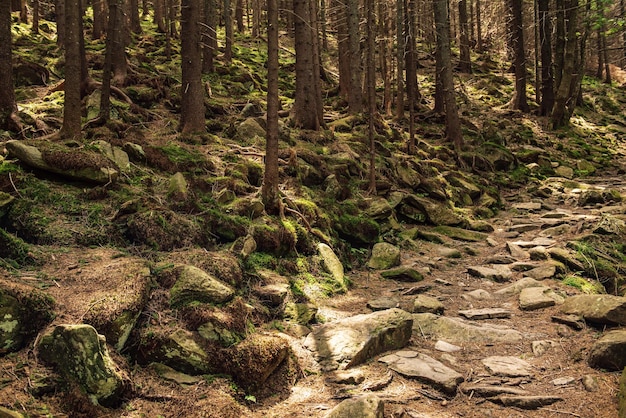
(411, 70)
(371, 92)
(73, 77)
(600, 66)
(343, 48)
(269, 191)
(323, 25)
(99, 18)
(442, 27)
(228, 26)
(112, 34)
(384, 25)
(192, 103)
(607, 64)
(317, 67)
(355, 96)
(8, 107)
(622, 9)
(256, 18)
(565, 87)
(401, 48)
(559, 45)
(35, 16)
(239, 16)
(159, 15)
(516, 39)
(59, 12)
(547, 77)
(305, 106)
(209, 35)
(465, 63)
(536, 52)
(135, 21)
(119, 65)
(479, 29)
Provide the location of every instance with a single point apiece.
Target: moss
(14, 248)
(358, 230)
(274, 239)
(584, 285)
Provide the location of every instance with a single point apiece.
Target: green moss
(584, 285)
(14, 248)
(358, 230)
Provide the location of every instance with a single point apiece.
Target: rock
(565, 257)
(448, 252)
(486, 313)
(564, 171)
(507, 366)
(427, 304)
(79, 354)
(518, 286)
(79, 165)
(590, 383)
(436, 213)
(516, 251)
(172, 375)
(23, 313)
(540, 241)
(252, 361)
(378, 208)
(446, 347)
(528, 402)
(219, 334)
(403, 274)
(7, 413)
(380, 304)
(521, 228)
(178, 350)
(609, 352)
(5, 202)
(500, 259)
(351, 341)
(384, 256)
(115, 154)
(528, 206)
(598, 309)
(563, 381)
(135, 152)
(533, 298)
(250, 128)
(331, 263)
(573, 321)
(488, 391)
(543, 272)
(195, 285)
(610, 225)
(426, 369)
(459, 331)
(300, 313)
(178, 186)
(461, 234)
(540, 347)
(585, 166)
(346, 377)
(272, 295)
(366, 406)
(497, 273)
(478, 294)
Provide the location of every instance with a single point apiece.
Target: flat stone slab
(527, 402)
(478, 294)
(530, 206)
(380, 304)
(351, 341)
(403, 274)
(543, 272)
(426, 369)
(540, 347)
(488, 391)
(486, 313)
(446, 347)
(533, 298)
(599, 309)
(518, 286)
(539, 241)
(521, 228)
(456, 330)
(497, 273)
(507, 366)
(424, 303)
(573, 321)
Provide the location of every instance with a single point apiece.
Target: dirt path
(557, 353)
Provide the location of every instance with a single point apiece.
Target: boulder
(497, 273)
(115, 154)
(437, 213)
(351, 341)
(178, 187)
(332, 264)
(609, 352)
(426, 369)
(177, 349)
(527, 402)
(403, 274)
(457, 330)
(533, 298)
(384, 256)
(507, 366)
(76, 164)
(195, 285)
(365, 406)
(427, 304)
(79, 354)
(518, 286)
(598, 309)
(250, 128)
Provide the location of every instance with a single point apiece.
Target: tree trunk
(400, 50)
(559, 45)
(135, 21)
(269, 191)
(343, 48)
(159, 15)
(516, 44)
(73, 77)
(442, 27)
(256, 18)
(317, 67)
(565, 87)
(355, 96)
(8, 106)
(323, 25)
(36, 16)
(209, 35)
(112, 39)
(228, 29)
(386, 46)
(239, 16)
(465, 63)
(119, 65)
(371, 92)
(411, 70)
(98, 8)
(305, 106)
(545, 39)
(59, 12)
(192, 103)
(479, 29)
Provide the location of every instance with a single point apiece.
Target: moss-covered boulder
(12, 247)
(195, 285)
(332, 264)
(365, 406)
(384, 256)
(24, 311)
(79, 354)
(357, 230)
(164, 230)
(76, 164)
(249, 129)
(5, 201)
(115, 154)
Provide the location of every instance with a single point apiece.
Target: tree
(442, 29)
(305, 109)
(73, 70)
(465, 63)
(355, 96)
(411, 69)
(371, 91)
(269, 190)
(228, 31)
(59, 12)
(192, 103)
(8, 107)
(516, 44)
(564, 89)
(545, 41)
(401, 48)
(209, 35)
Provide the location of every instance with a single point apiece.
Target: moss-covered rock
(79, 354)
(164, 230)
(195, 285)
(357, 230)
(177, 349)
(384, 256)
(14, 248)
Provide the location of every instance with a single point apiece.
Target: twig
(14, 188)
(561, 412)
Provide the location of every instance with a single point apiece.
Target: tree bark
(59, 12)
(516, 44)
(545, 40)
(355, 96)
(192, 104)
(565, 87)
(269, 190)
(36, 16)
(343, 48)
(401, 48)
(305, 106)
(411, 70)
(135, 21)
(239, 16)
(73, 72)
(99, 18)
(371, 92)
(228, 29)
(442, 28)
(209, 35)
(465, 63)
(8, 106)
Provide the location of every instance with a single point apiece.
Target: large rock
(76, 164)
(599, 309)
(352, 341)
(366, 406)
(117, 156)
(249, 129)
(436, 213)
(507, 366)
(23, 313)
(497, 273)
(403, 274)
(457, 330)
(332, 264)
(178, 350)
(79, 354)
(518, 286)
(609, 352)
(384, 256)
(533, 298)
(195, 285)
(424, 368)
